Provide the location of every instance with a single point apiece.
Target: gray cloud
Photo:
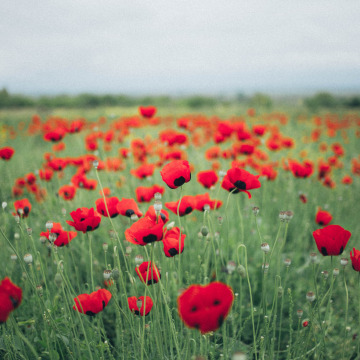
(162, 46)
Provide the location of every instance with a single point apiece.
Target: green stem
(250, 293)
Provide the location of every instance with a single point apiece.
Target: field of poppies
(154, 234)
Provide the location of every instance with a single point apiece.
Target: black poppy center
(324, 251)
(129, 212)
(240, 185)
(179, 181)
(90, 313)
(217, 302)
(188, 210)
(341, 250)
(193, 309)
(163, 217)
(26, 210)
(149, 238)
(15, 302)
(173, 252)
(103, 304)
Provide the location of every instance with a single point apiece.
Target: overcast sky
(164, 46)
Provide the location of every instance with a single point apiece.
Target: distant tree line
(88, 100)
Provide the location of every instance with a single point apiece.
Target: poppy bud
(287, 262)
(13, 257)
(204, 231)
(325, 274)
(230, 266)
(157, 207)
(157, 196)
(139, 259)
(310, 296)
(265, 247)
(313, 257)
(29, 231)
(288, 215)
(115, 274)
(107, 274)
(305, 323)
(17, 219)
(282, 216)
(58, 279)
(52, 237)
(95, 164)
(105, 246)
(4, 205)
(49, 225)
(344, 262)
(280, 291)
(207, 207)
(28, 258)
(300, 313)
(241, 270)
(16, 236)
(170, 225)
(336, 272)
(43, 239)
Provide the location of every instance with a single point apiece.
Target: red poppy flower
(303, 198)
(347, 180)
(10, 298)
(128, 207)
(243, 180)
(152, 214)
(91, 304)
(143, 171)
(355, 259)
(146, 194)
(229, 186)
(323, 217)
(147, 111)
(172, 243)
(207, 178)
(331, 240)
(22, 207)
(144, 231)
(205, 307)
(148, 273)
(111, 204)
(6, 153)
(30, 178)
(67, 192)
(46, 174)
(187, 205)
(145, 307)
(54, 135)
(85, 219)
(202, 200)
(299, 170)
(62, 237)
(176, 173)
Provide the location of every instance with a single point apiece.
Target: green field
(221, 245)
